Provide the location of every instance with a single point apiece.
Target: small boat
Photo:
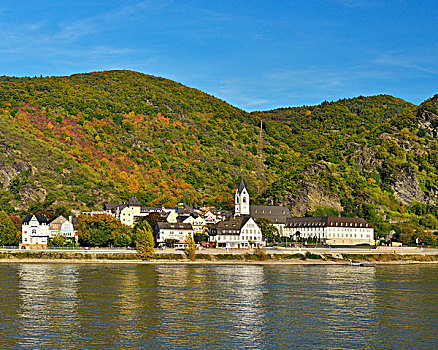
(362, 263)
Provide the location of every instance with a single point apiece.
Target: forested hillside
(83, 140)
(374, 157)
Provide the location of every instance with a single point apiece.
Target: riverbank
(216, 259)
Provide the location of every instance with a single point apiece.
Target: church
(277, 214)
(241, 231)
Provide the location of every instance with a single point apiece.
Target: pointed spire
(241, 186)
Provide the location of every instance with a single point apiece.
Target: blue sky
(256, 55)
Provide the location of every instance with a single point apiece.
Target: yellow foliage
(370, 180)
(123, 176)
(133, 184)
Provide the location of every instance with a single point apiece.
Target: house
(127, 213)
(277, 214)
(238, 232)
(176, 231)
(331, 230)
(34, 231)
(171, 215)
(197, 221)
(62, 226)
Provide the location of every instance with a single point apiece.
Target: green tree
(201, 237)
(100, 230)
(9, 234)
(122, 240)
(269, 231)
(59, 241)
(191, 248)
(145, 242)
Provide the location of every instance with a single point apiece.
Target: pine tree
(145, 242)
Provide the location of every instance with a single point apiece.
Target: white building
(239, 232)
(127, 213)
(34, 231)
(331, 230)
(176, 231)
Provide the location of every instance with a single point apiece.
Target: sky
(256, 55)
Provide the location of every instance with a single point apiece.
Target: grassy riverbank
(228, 258)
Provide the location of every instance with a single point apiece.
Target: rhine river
(135, 306)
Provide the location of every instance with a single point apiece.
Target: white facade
(331, 230)
(67, 229)
(128, 214)
(230, 236)
(166, 231)
(35, 232)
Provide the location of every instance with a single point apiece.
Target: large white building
(34, 231)
(238, 232)
(331, 230)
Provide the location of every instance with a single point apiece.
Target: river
(135, 306)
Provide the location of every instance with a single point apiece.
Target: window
(34, 231)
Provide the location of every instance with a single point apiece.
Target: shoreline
(386, 258)
(309, 262)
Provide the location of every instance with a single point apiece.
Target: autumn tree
(145, 242)
(102, 230)
(191, 247)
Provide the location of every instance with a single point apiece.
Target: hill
(86, 139)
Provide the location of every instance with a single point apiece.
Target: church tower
(241, 200)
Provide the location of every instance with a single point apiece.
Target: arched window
(34, 231)
(244, 200)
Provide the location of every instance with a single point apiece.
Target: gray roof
(327, 221)
(277, 214)
(57, 223)
(110, 206)
(173, 226)
(233, 223)
(134, 202)
(41, 219)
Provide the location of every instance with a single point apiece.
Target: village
(221, 229)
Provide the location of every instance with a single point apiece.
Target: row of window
(238, 238)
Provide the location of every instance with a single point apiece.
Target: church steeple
(241, 200)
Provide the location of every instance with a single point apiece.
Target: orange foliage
(178, 123)
(162, 119)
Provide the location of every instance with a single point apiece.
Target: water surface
(115, 306)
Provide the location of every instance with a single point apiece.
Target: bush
(260, 254)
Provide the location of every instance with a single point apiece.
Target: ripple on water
(54, 306)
